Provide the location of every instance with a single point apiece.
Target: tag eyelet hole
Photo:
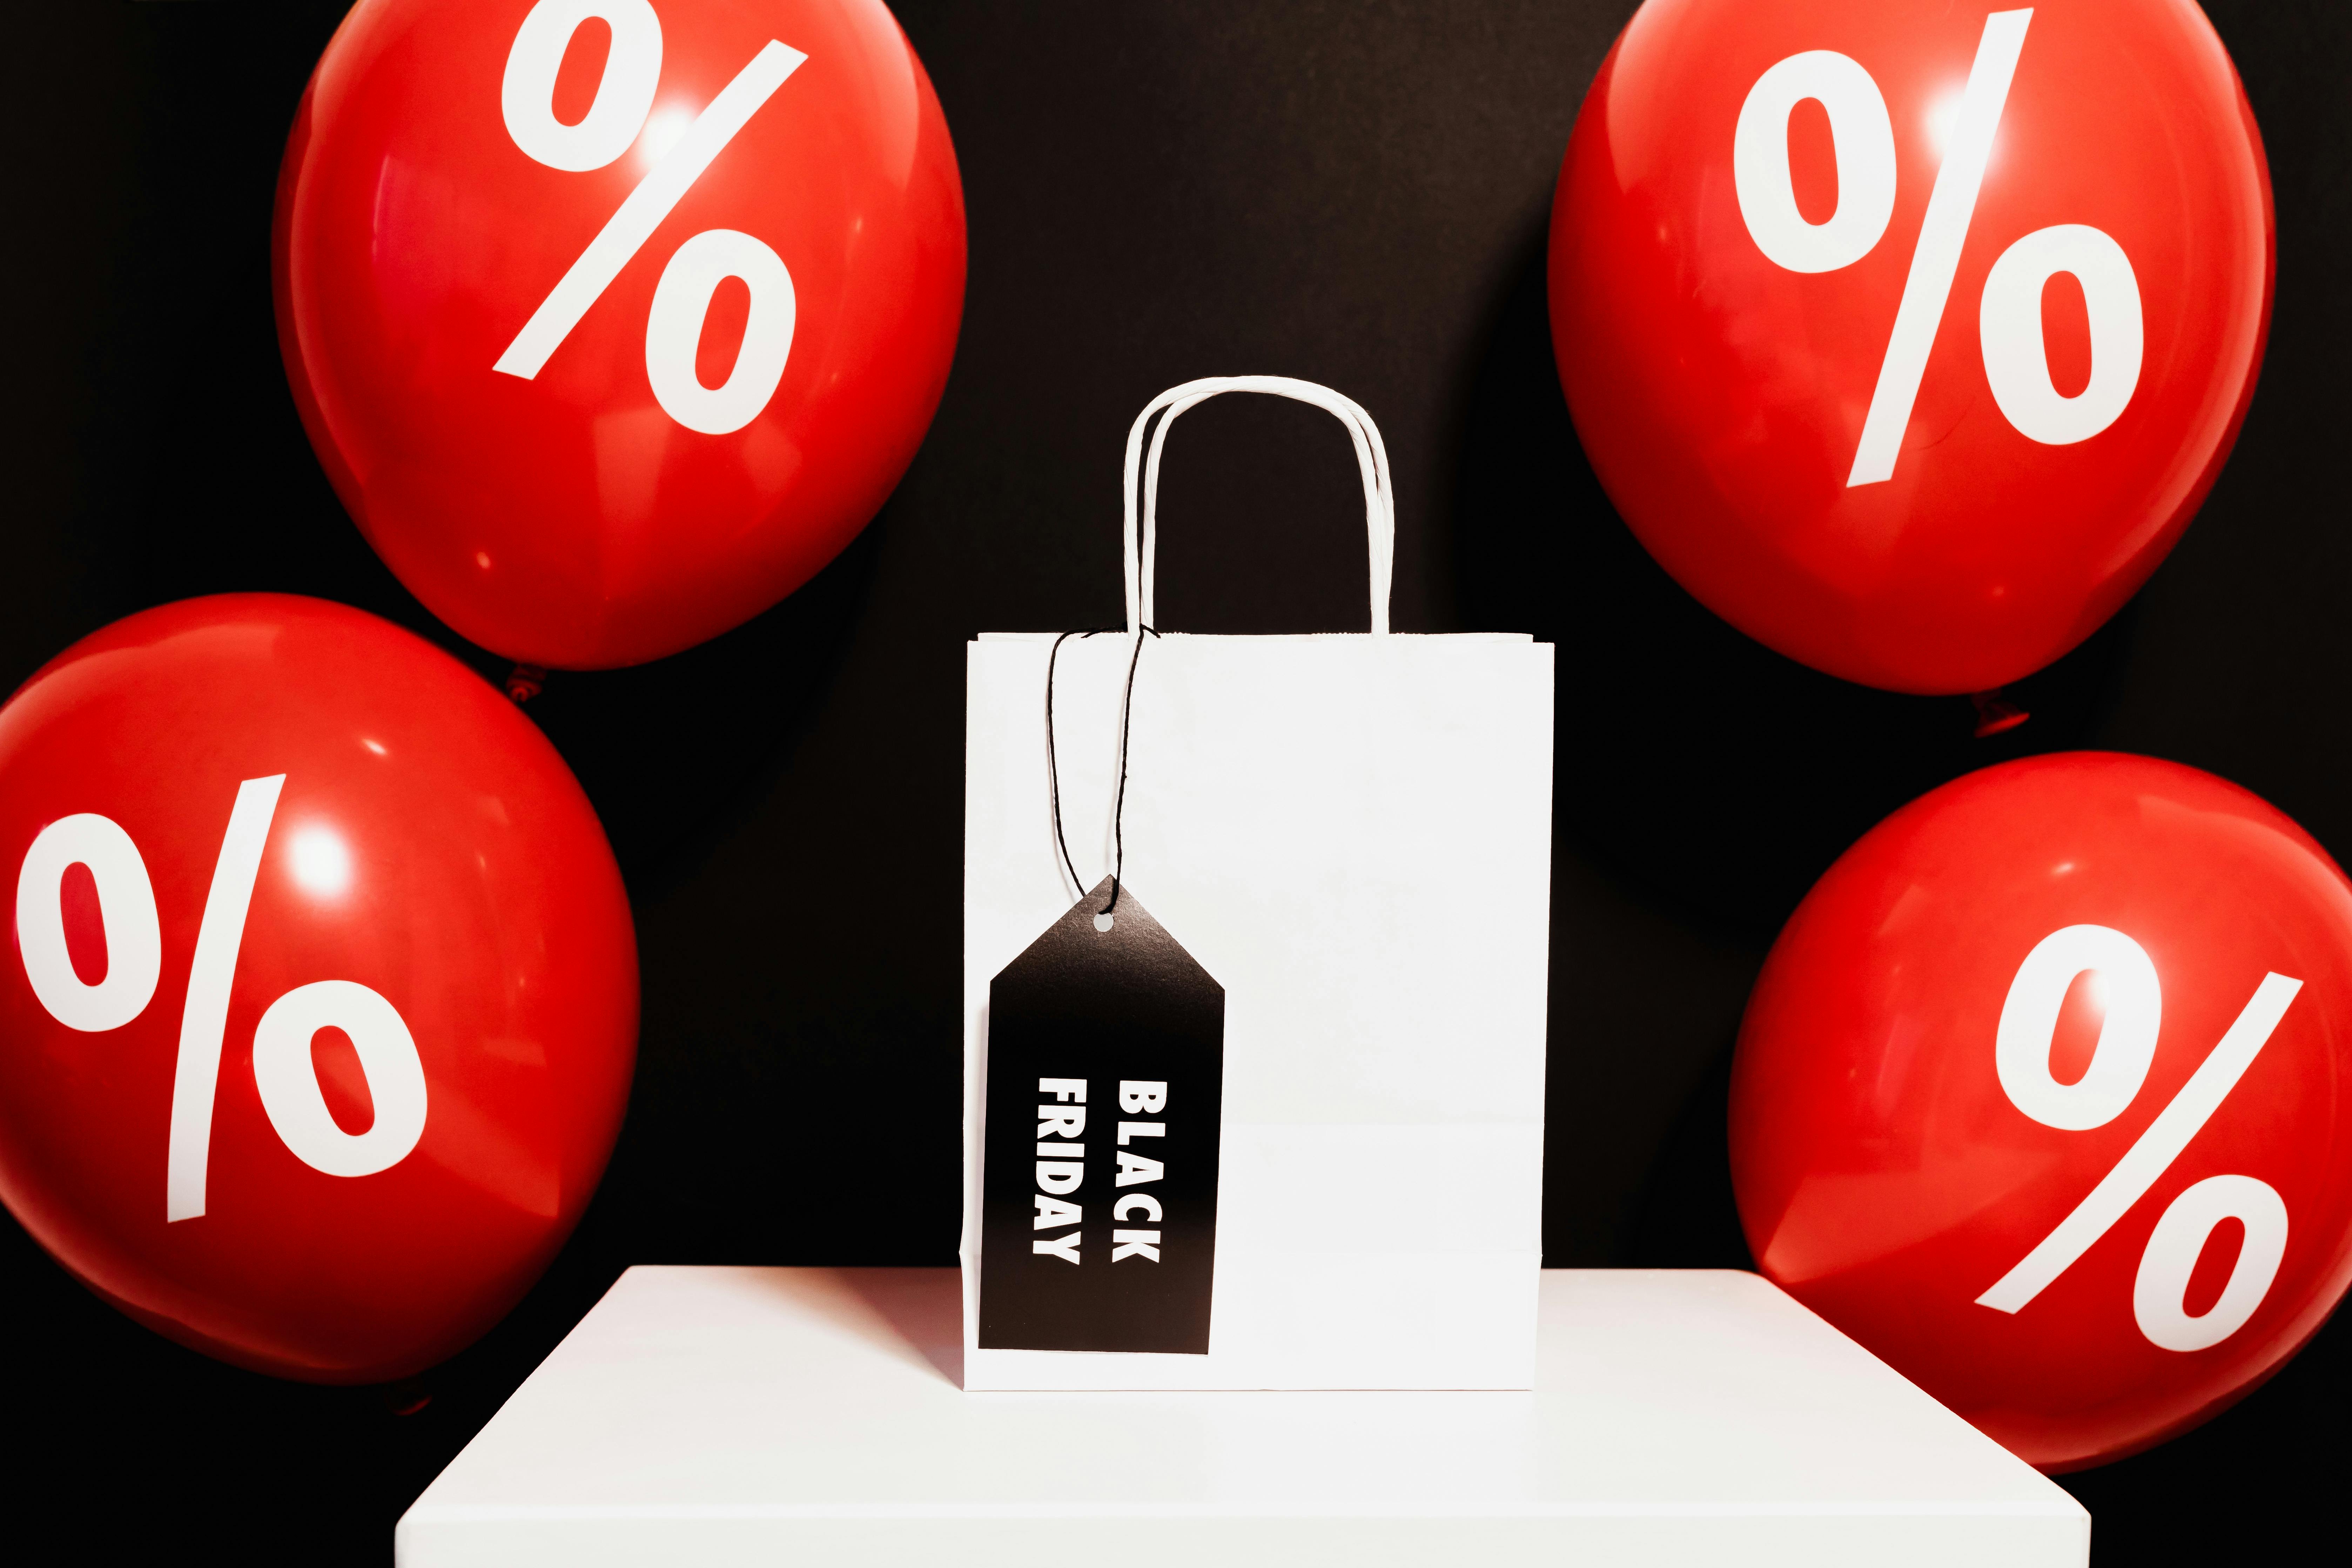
(1102, 922)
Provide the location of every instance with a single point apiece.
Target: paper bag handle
(1371, 457)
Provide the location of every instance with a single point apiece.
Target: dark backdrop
(1354, 193)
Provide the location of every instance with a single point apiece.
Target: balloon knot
(1995, 714)
(406, 1396)
(528, 681)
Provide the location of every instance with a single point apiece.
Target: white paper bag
(1352, 835)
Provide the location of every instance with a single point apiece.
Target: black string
(1054, 773)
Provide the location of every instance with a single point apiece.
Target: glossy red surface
(570, 520)
(429, 845)
(1722, 397)
(1888, 1178)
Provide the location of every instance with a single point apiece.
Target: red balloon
(2045, 1096)
(614, 320)
(324, 999)
(1907, 336)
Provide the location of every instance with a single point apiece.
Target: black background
(1354, 193)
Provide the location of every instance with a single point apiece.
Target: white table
(812, 1416)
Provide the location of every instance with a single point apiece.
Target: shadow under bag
(1258, 1101)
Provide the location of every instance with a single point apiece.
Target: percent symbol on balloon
(283, 1069)
(624, 101)
(2009, 319)
(2119, 1065)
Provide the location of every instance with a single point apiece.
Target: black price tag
(1099, 1189)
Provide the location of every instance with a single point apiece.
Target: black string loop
(1054, 771)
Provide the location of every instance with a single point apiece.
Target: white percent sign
(283, 1071)
(624, 100)
(2009, 316)
(2119, 1064)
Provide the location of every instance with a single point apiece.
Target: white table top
(812, 1415)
